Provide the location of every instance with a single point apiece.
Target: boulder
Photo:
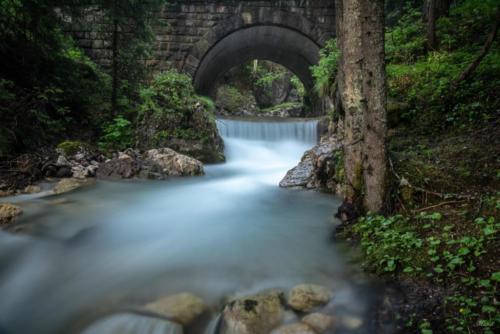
(63, 171)
(62, 161)
(196, 135)
(81, 172)
(32, 189)
(256, 314)
(320, 168)
(70, 184)
(182, 308)
(305, 297)
(9, 213)
(298, 328)
(209, 152)
(173, 163)
(129, 323)
(319, 322)
(122, 167)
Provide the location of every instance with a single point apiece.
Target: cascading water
(119, 245)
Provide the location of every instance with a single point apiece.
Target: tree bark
(362, 89)
(114, 68)
(434, 9)
(375, 94)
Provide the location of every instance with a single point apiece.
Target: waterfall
(302, 131)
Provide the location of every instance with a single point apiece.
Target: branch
(440, 195)
(484, 51)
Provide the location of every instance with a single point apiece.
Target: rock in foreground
(318, 321)
(298, 328)
(320, 168)
(128, 323)
(305, 297)
(183, 307)
(256, 314)
(9, 213)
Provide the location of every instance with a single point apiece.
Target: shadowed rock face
(318, 168)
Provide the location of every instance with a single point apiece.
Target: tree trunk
(375, 94)
(350, 81)
(362, 89)
(434, 9)
(114, 68)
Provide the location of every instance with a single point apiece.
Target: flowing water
(231, 231)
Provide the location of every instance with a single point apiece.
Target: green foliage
(428, 246)
(231, 99)
(208, 103)
(298, 85)
(425, 80)
(118, 135)
(325, 72)
(405, 42)
(170, 109)
(169, 94)
(48, 87)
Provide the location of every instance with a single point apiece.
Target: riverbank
(439, 246)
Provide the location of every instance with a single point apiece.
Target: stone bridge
(207, 37)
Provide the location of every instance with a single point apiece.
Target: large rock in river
(9, 213)
(173, 163)
(256, 314)
(122, 167)
(70, 184)
(320, 168)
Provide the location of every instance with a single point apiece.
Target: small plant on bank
(118, 135)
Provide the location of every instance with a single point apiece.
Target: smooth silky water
(118, 244)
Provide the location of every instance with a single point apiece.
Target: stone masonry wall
(182, 24)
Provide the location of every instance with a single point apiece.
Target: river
(233, 230)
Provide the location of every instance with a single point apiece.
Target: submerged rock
(318, 321)
(305, 297)
(298, 328)
(70, 184)
(129, 323)
(9, 213)
(256, 314)
(320, 168)
(32, 189)
(173, 163)
(183, 307)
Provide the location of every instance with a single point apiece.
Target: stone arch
(282, 37)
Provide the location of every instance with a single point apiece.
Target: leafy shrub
(170, 92)
(118, 135)
(231, 99)
(325, 72)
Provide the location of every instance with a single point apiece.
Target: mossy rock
(69, 147)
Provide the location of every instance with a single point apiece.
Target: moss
(282, 106)
(231, 99)
(70, 147)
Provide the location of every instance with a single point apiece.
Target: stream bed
(231, 231)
